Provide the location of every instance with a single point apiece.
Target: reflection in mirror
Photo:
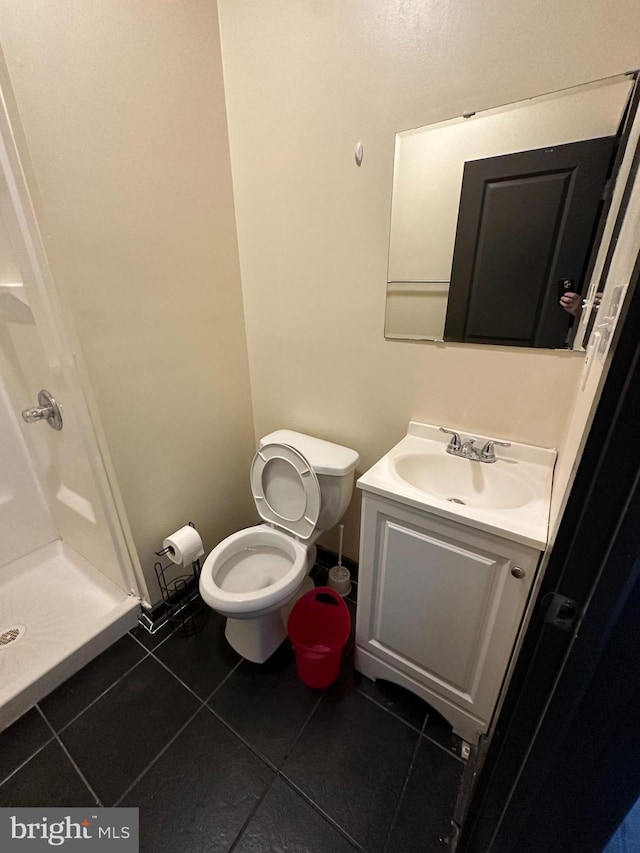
(497, 214)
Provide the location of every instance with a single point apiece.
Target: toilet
(301, 486)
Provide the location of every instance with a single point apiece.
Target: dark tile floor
(220, 754)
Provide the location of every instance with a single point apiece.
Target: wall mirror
(497, 214)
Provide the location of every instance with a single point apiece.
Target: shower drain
(12, 635)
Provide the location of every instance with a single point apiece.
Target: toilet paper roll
(185, 545)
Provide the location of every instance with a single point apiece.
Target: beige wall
(123, 110)
(305, 81)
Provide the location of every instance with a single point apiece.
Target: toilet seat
(255, 569)
(285, 489)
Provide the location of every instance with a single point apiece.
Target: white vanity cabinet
(439, 608)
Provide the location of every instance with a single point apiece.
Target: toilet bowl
(249, 578)
(301, 485)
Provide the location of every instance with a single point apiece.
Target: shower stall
(70, 583)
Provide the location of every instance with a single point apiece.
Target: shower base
(57, 612)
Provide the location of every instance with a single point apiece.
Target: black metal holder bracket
(181, 595)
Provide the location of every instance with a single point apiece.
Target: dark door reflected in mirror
(497, 215)
(526, 228)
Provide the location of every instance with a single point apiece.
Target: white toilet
(301, 486)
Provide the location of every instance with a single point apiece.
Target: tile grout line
(54, 735)
(245, 825)
(263, 758)
(71, 759)
(159, 755)
(319, 810)
(294, 787)
(424, 723)
(405, 784)
(149, 654)
(411, 726)
(95, 699)
(275, 769)
(181, 729)
(441, 746)
(28, 759)
(185, 685)
(270, 765)
(157, 646)
(389, 711)
(302, 728)
(224, 680)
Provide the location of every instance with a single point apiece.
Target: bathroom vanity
(450, 545)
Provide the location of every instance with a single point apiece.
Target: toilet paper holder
(181, 594)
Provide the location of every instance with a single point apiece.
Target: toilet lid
(285, 489)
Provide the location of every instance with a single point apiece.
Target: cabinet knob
(517, 572)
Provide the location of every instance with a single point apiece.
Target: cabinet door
(439, 602)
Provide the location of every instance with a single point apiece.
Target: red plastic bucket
(319, 626)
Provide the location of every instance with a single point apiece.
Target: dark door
(563, 766)
(526, 222)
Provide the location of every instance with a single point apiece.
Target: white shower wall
(64, 590)
(67, 591)
(50, 488)
(51, 478)
(25, 520)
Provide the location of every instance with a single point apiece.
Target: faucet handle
(456, 442)
(487, 453)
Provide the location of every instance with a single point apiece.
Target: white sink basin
(510, 497)
(463, 482)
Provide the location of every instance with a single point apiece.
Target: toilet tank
(334, 466)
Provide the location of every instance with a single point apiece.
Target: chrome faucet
(455, 444)
(487, 453)
(466, 448)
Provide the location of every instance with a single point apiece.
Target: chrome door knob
(517, 572)
(48, 411)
